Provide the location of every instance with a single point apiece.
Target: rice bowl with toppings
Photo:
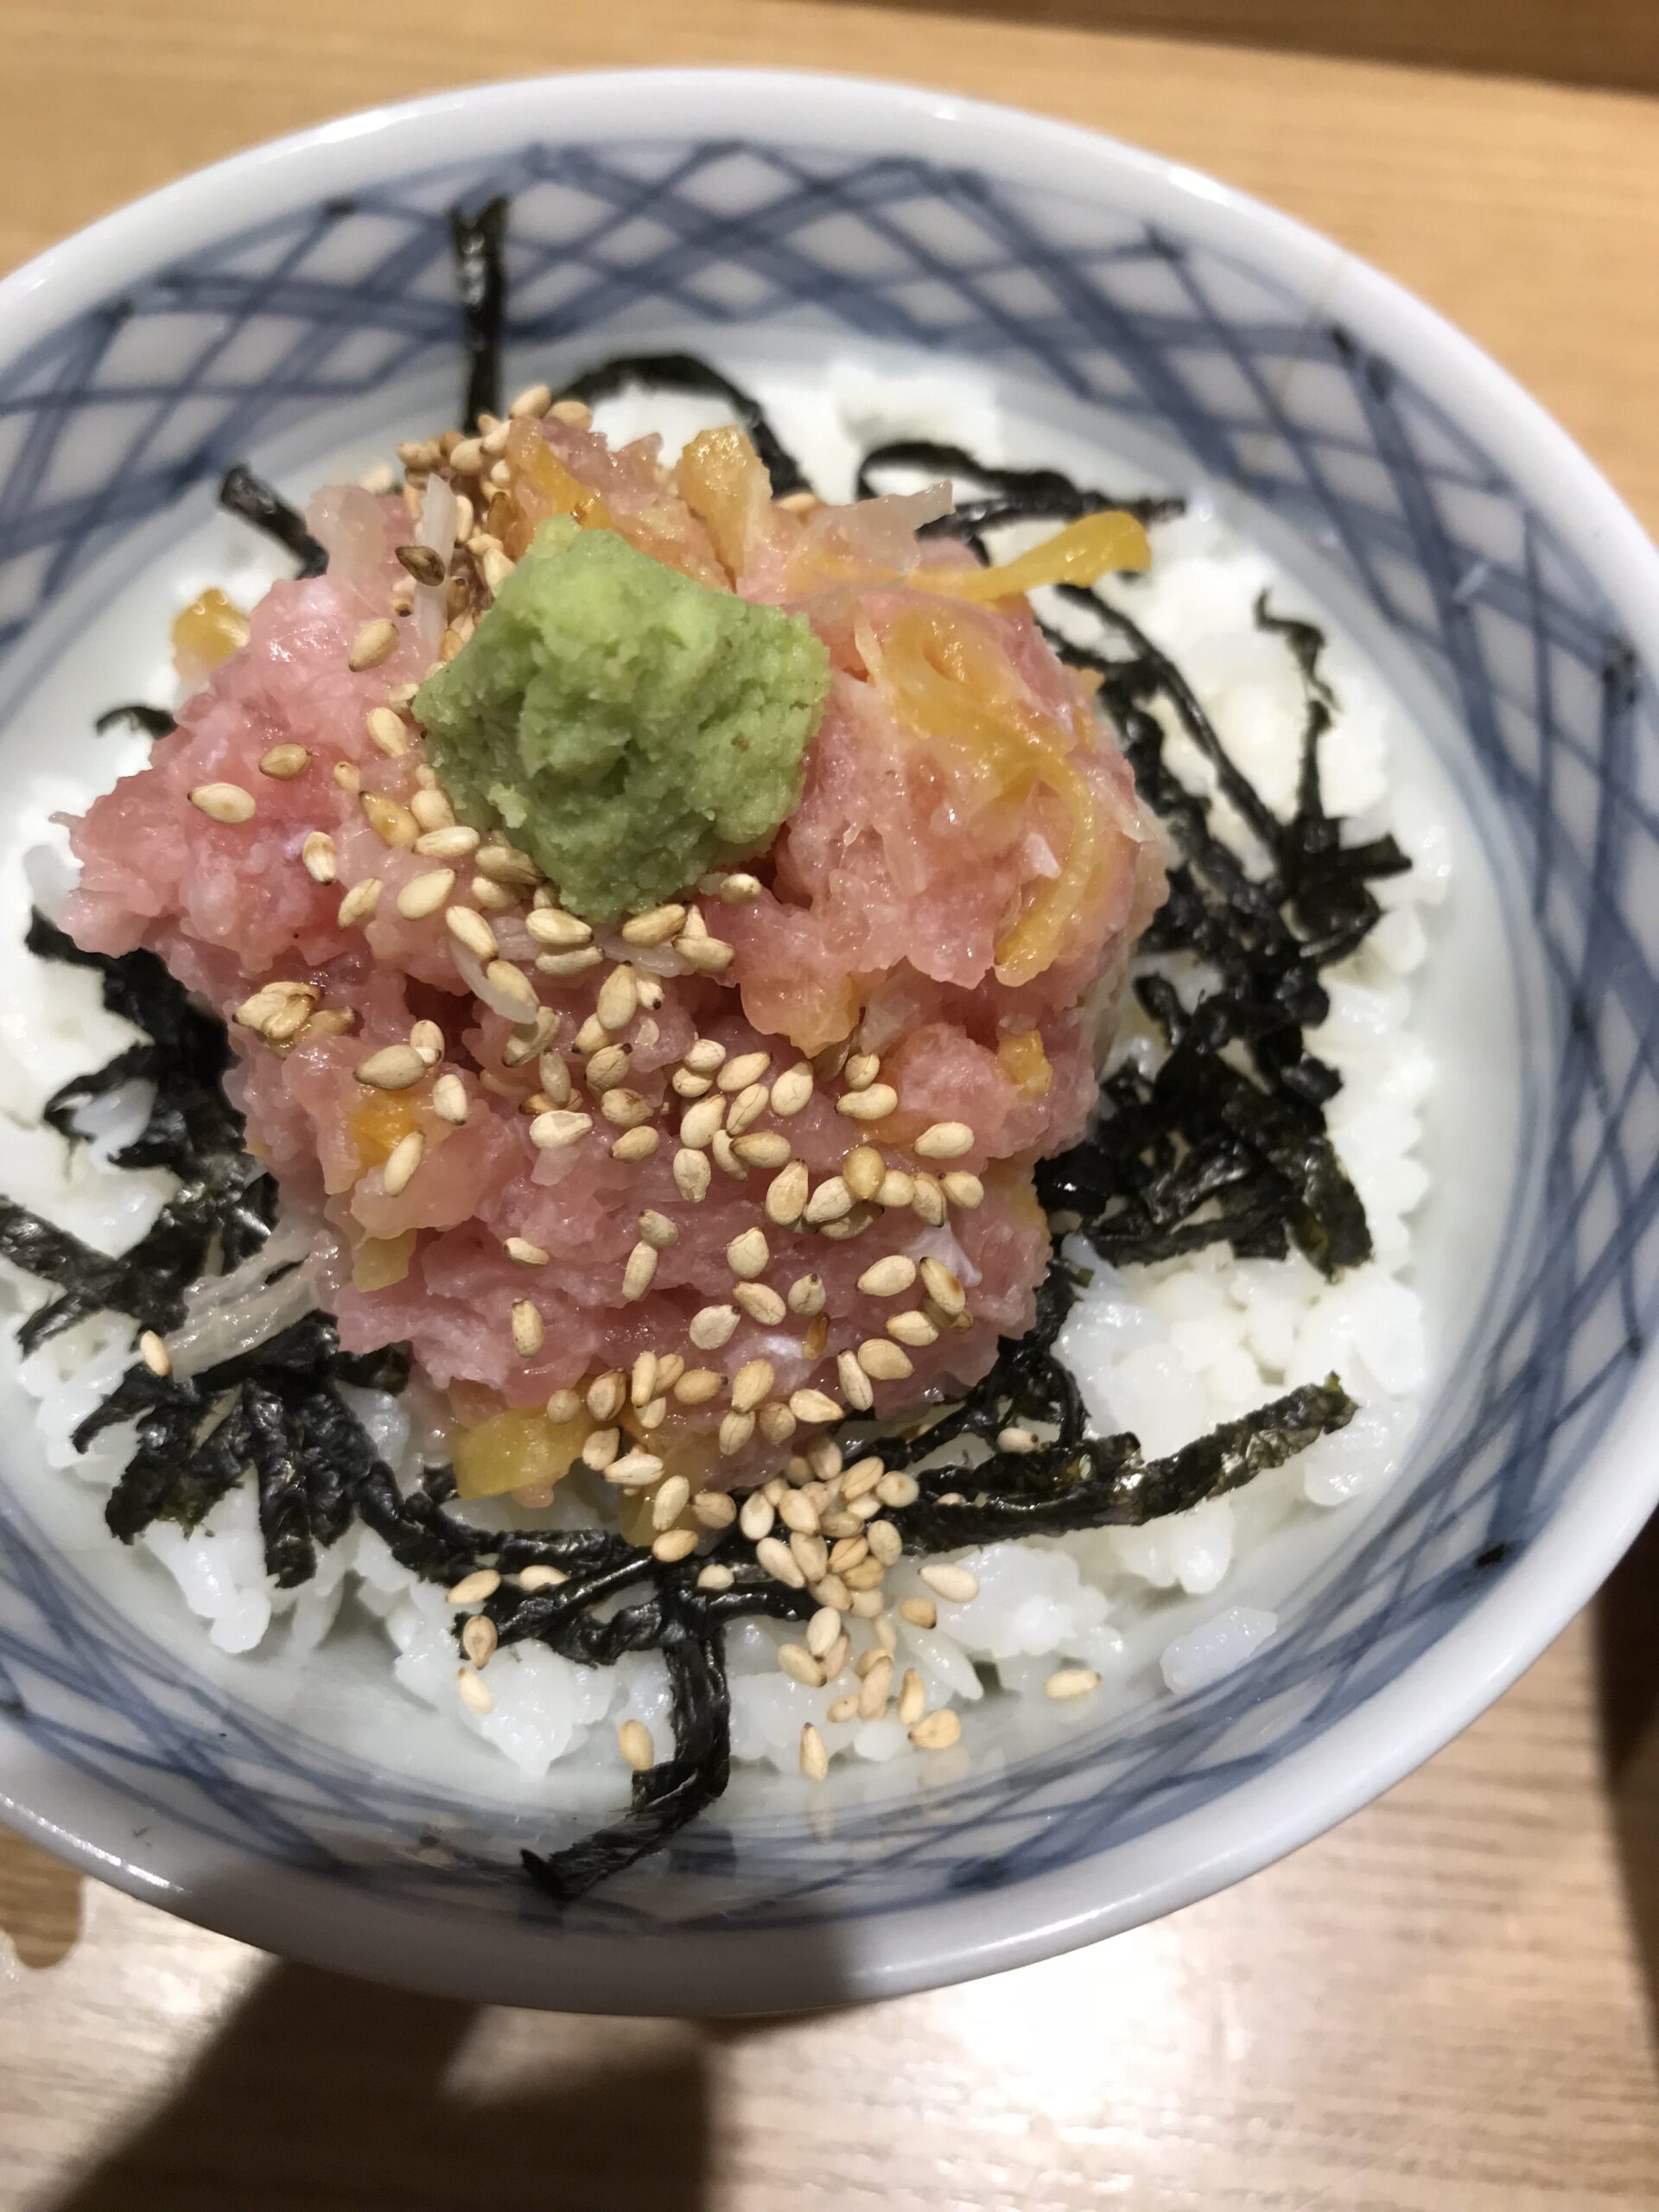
(776, 1317)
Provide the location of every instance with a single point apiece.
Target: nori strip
(481, 280)
(685, 373)
(1013, 494)
(675, 1789)
(154, 722)
(284, 1519)
(250, 499)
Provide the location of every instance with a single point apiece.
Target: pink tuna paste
(944, 914)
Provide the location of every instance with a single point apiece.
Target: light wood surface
(1445, 2006)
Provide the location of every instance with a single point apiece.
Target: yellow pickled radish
(379, 1262)
(209, 630)
(380, 1124)
(1094, 546)
(515, 1449)
(722, 481)
(1022, 1060)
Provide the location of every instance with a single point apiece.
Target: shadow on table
(320, 2090)
(1627, 1655)
(1611, 42)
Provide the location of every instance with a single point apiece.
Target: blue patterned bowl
(291, 287)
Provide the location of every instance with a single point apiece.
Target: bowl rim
(730, 1972)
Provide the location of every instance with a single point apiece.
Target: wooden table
(1444, 2007)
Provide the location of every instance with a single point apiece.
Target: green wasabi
(626, 727)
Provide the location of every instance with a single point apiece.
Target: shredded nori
(481, 280)
(685, 373)
(151, 722)
(252, 500)
(1009, 494)
(1198, 1151)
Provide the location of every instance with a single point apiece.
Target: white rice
(1165, 1350)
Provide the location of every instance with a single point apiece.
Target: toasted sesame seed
(863, 1171)
(402, 1161)
(792, 1090)
(633, 1741)
(748, 1255)
(896, 1189)
(428, 1040)
(746, 1068)
(708, 956)
(1071, 1681)
(699, 1122)
(776, 1422)
(390, 820)
(938, 1731)
(943, 1141)
(531, 404)
(619, 999)
(563, 1406)
(920, 1613)
(504, 864)
(798, 1662)
(779, 1561)
(359, 902)
(796, 1511)
(555, 1078)
(863, 1475)
(698, 1385)
(876, 1688)
(855, 1383)
(888, 1277)
(635, 1470)
(479, 1639)
(865, 1575)
(454, 843)
(963, 1189)
(751, 1384)
(395, 1067)
(469, 928)
(226, 802)
(713, 1508)
(814, 1406)
(861, 1071)
(885, 1541)
(943, 1288)
(637, 1275)
(715, 1577)
(786, 1193)
(473, 1589)
(817, 1337)
(806, 1295)
(562, 966)
(423, 563)
(423, 894)
(512, 984)
(956, 1585)
(815, 1755)
(746, 1110)
(278, 1011)
(822, 1631)
(674, 1545)
(760, 1301)
(284, 762)
(474, 1691)
(658, 1229)
(654, 927)
(912, 1698)
(928, 1199)
(559, 931)
(692, 1174)
(872, 1105)
(553, 1131)
(328, 1021)
(706, 1057)
(607, 1067)
(466, 458)
(672, 1497)
(624, 1109)
(897, 1491)
(765, 1148)
(434, 813)
(529, 1329)
(154, 1353)
(685, 1084)
(832, 1201)
(912, 1328)
(883, 1360)
(712, 1327)
(736, 1431)
(1016, 1439)
(523, 1254)
(738, 889)
(387, 732)
(757, 1517)
(844, 1709)
(540, 1577)
(607, 1395)
(849, 1548)
(373, 643)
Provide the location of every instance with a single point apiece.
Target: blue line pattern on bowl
(115, 416)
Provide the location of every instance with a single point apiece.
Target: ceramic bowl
(268, 306)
